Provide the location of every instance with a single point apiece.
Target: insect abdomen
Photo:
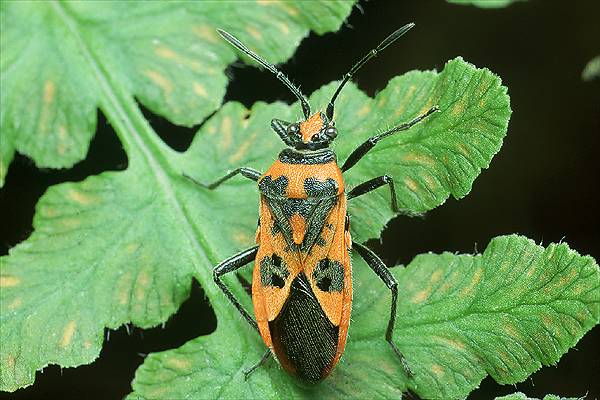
(304, 339)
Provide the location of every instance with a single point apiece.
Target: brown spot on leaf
(9, 281)
(68, 333)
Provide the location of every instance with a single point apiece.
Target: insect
(302, 279)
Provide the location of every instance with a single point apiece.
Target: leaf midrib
(124, 114)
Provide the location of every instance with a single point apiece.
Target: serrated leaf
(437, 158)
(121, 246)
(167, 54)
(504, 312)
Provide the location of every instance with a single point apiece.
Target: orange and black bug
(302, 280)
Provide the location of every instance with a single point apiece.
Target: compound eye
(293, 129)
(331, 132)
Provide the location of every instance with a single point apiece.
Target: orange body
(303, 236)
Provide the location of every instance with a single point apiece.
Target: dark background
(542, 184)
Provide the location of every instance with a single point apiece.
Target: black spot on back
(273, 271)
(329, 275)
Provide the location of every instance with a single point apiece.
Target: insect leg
(260, 362)
(364, 148)
(373, 184)
(249, 173)
(386, 276)
(230, 265)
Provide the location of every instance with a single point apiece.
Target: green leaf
(437, 158)
(523, 396)
(121, 246)
(504, 312)
(485, 3)
(167, 54)
(591, 70)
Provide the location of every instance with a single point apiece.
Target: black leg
(230, 265)
(364, 148)
(386, 276)
(373, 184)
(249, 173)
(260, 362)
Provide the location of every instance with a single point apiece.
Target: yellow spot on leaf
(211, 130)
(9, 281)
(242, 149)
(132, 247)
(417, 158)
(179, 364)
(70, 222)
(288, 9)
(49, 212)
(62, 133)
(124, 288)
(68, 333)
(160, 80)
(364, 110)
(464, 150)
(142, 284)
(406, 100)
(421, 296)
(48, 95)
(87, 344)
(242, 237)
(264, 2)
(169, 54)
(283, 28)
(435, 277)
(411, 184)
(474, 281)
(10, 361)
(80, 197)
(437, 370)
(61, 148)
(16, 303)
(165, 52)
(200, 90)
(255, 33)
(226, 133)
(458, 108)
(49, 91)
(207, 33)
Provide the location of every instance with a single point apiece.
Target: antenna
(386, 42)
(278, 74)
